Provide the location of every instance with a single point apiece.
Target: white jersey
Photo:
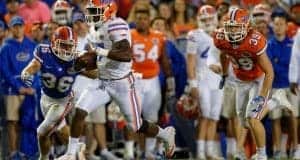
(111, 31)
(214, 58)
(294, 67)
(200, 43)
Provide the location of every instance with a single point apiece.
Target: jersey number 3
(140, 55)
(62, 84)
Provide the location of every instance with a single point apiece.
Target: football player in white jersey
(294, 68)
(203, 83)
(95, 128)
(116, 81)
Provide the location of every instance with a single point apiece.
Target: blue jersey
(14, 57)
(279, 52)
(57, 76)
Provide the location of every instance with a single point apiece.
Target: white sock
(283, 142)
(150, 144)
(200, 148)
(129, 148)
(210, 148)
(229, 146)
(73, 145)
(160, 148)
(104, 151)
(217, 145)
(261, 151)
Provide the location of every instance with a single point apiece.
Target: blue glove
(257, 103)
(258, 100)
(27, 78)
(222, 82)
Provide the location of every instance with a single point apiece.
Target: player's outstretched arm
(266, 66)
(28, 72)
(120, 51)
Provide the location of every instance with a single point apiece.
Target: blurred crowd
(26, 23)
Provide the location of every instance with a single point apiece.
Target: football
(87, 61)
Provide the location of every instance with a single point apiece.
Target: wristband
(193, 83)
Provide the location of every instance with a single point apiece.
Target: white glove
(27, 78)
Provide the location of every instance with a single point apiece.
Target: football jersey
(243, 55)
(294, 67)
(57, 76)
(146, 51)
(113, 30)
(199, 44)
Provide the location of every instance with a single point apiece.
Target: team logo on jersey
(23, 56)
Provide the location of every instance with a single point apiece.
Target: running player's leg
(151, 103)
(89, 100)
(215, 110)
(124, 93)
(54, 112)
(204, 99)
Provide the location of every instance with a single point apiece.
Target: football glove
(27, 78)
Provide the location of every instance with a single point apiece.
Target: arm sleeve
(119, 30)
(261, 45)
(295, 59)
(6, 72)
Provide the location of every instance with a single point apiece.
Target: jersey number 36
(62, 84)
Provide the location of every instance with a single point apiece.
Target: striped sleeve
(118, 30)
(261, 45)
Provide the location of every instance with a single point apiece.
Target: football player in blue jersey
(55, 63)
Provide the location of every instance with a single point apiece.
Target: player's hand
(27, 78)
(26, 91)
(170, 87)
(222, 82)
(294, 88)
